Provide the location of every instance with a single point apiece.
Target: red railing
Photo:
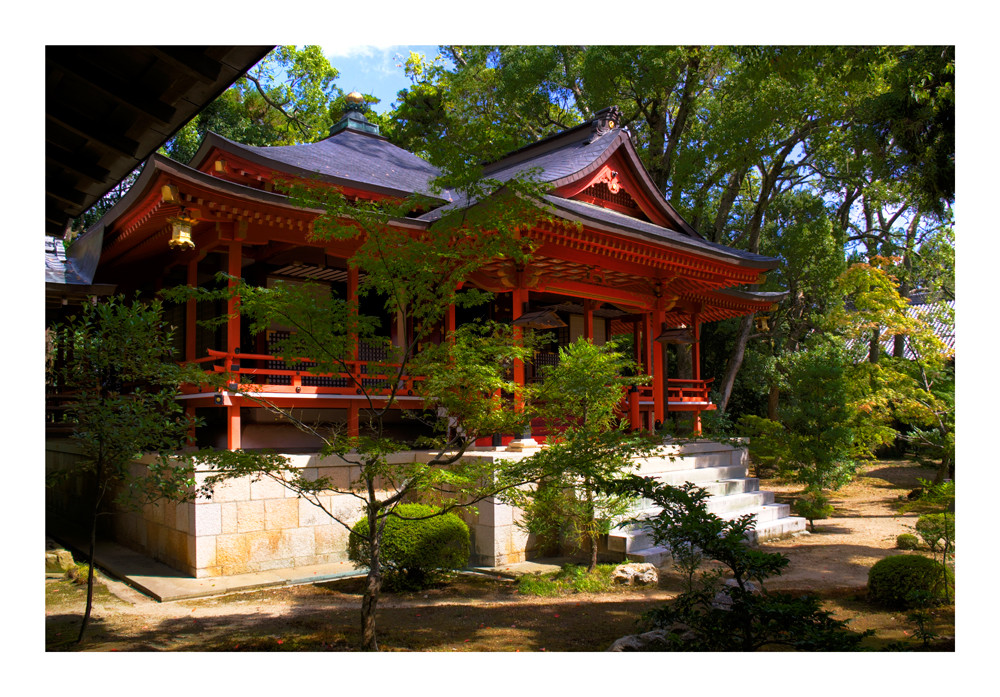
(267, 379)
(687, 392)
(682, 394)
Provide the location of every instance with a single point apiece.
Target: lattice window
(601, 192)
(274, 339)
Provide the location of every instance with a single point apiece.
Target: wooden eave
(141, 215)
(645, 247)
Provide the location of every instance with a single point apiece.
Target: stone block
(177, 547)
(201, 551)
(267, 545)
(156, 538)
(232, 552)
(230, 490)
(310, 514)
(229, 517)
(301, 542)
(281, 513)
(156, 513)
(269, 564)
(346, 508)
(250, 516)
(493, 512)
(185, 513)
(267, 488)
(58, 561)
(208, 519)
(330, 539)
(169, 513)
(340, 476)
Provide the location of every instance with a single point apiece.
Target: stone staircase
(722, 471)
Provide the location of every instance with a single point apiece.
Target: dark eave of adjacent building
(107, 108)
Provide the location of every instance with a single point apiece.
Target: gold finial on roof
(355, 98)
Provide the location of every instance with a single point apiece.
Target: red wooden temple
(624, 262)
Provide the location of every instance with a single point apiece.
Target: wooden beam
(233, 324)
(659, 378)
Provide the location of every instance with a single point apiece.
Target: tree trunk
(592, 527)
(735, 361)
(369, 601)
(98, 495)
(373, 582)
(772, 403)
(943, 470)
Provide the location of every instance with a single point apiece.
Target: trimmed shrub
(907, 541)
(937, 528)
(414, 550)
(814, 506)
(893, 579)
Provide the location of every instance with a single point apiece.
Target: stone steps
(733, 494)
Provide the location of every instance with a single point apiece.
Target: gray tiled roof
(553, 164)
(350, 156)
(59, 269)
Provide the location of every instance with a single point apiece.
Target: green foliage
(748, 620)
(893, 579)
(571, 578)
(120, 371)
(579, 399)
(935, 498)
(907, 541)
(937, 529)
(815, 440)
(286, 98)
(814, 505)
(417, 541)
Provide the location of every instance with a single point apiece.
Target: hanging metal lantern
(761, 322)
(180, 232)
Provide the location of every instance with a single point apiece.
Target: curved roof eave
(611, 221)
(214, 140)
(754, 295)
(156, 164)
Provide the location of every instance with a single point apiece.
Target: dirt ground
(476, 613)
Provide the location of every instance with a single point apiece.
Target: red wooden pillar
(636, 345)
(588, 320)
(353, 426)
(191, 315)
(634, 416)
(659, 376)
(517, 298)
(235, 270)
(233, 441)
(696, 368)
(648, 357)
(696, 349)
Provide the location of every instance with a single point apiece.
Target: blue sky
(376, 70)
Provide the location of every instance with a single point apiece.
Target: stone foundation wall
(250, 526)
(246, 525)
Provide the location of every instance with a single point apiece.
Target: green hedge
(414, 550)
(893, 579)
